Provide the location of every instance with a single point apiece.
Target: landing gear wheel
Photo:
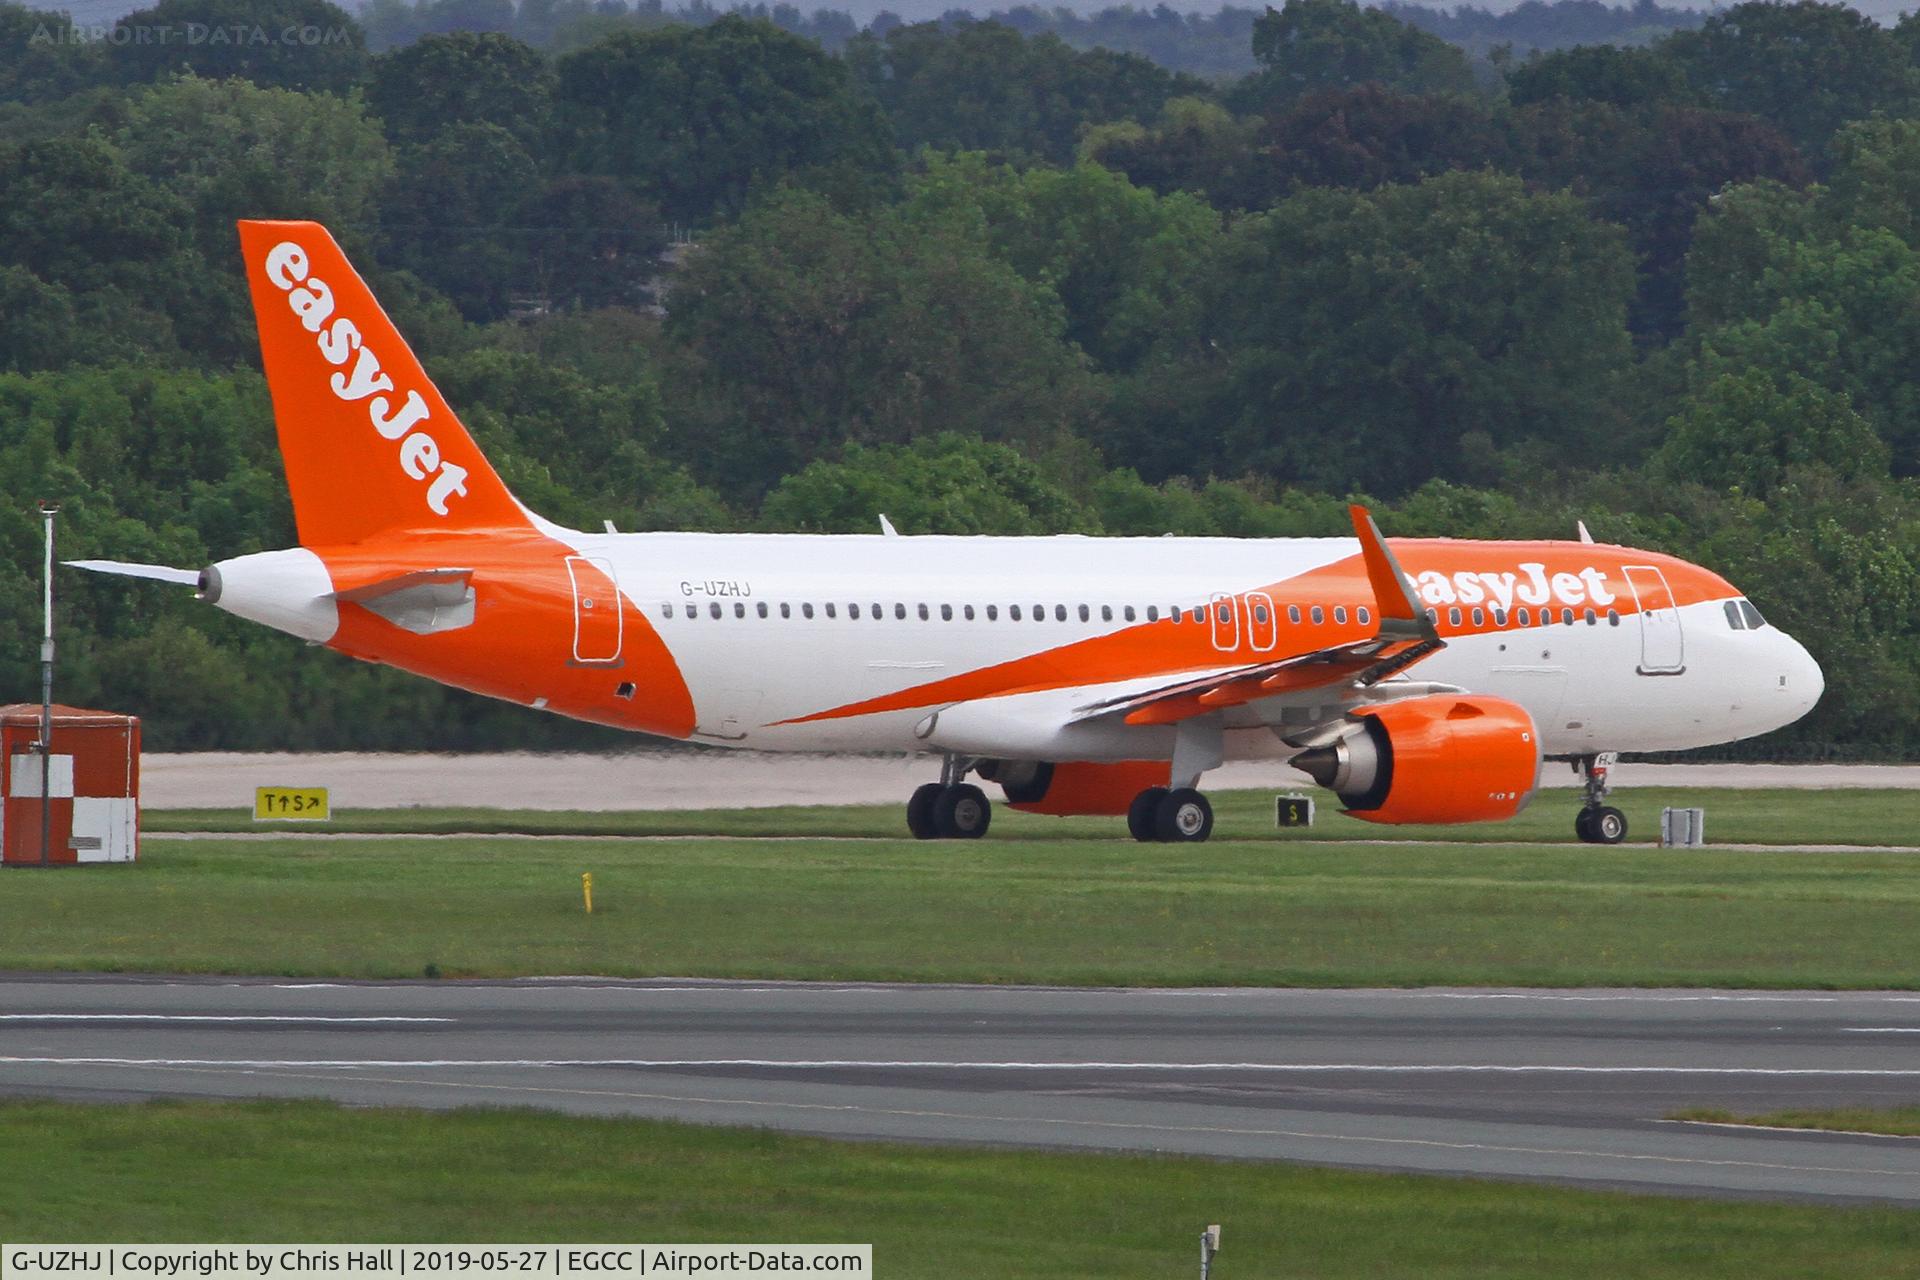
(1607, 825)
(961, 812)
(1583, 825)
(1142, 812)
(920, 811)
(1183, 817)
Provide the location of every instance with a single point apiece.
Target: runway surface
(1567, 1086)
(715, 779)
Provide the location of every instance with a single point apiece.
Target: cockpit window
(1752, 615)
(1735, 618)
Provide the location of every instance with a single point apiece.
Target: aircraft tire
(1143, 812)
(1608, 825)
(961, 812)
(920, 811)
(1183, 817)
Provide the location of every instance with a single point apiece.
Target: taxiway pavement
(717, 779)
(1566, 1086)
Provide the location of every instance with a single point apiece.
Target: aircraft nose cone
(1801, 677)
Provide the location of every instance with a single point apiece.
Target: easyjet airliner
(1419, 680)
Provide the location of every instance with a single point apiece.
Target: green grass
(1899, 1121)
(1780, 816)
(1077, 911)
(311, 1171)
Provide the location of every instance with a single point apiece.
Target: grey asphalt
(1567, 1086)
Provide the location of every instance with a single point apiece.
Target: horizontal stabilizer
(127, 569)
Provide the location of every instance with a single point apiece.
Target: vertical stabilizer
(370, 446)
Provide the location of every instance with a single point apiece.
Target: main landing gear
(949, 809)
(1598, 822)
(1177, 816)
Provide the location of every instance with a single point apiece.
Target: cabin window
(786, 610)
(1364, 616)
(806, 611)
(1566, 617)
(993, 613)
(925, 616)
(1453, 616)
(1593, 619)
(714, 608)
(1339, 613)
(1085, 614)
(1223, 612)
(900, 611)
(1153, 613)
(946, 613)
(1319, 615)
(1129, 612)
(1059, 613)
(761, 608)
(1479, 617)
(1433, 616)
(1013, 612)
(878, 613)
(829, 608)
(1522, 617)
(1293, 613)
(853, 611)
(1613, 617)
(967, 612)
(1260, 613)
(1106, 613)
(666, 610)
(1499, 617)
(739, 610)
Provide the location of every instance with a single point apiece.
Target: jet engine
(1441, 758)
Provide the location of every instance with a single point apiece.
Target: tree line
(1215, 45)
(982, 281)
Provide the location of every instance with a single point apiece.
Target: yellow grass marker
(586, 890)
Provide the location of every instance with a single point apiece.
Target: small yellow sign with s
(291, 804)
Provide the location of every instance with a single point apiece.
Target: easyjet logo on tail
(361, 377)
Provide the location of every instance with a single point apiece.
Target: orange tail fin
(370, 445)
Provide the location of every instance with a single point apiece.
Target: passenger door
(597, 624)
(1662, 647)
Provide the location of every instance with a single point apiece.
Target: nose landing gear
(1598, 822)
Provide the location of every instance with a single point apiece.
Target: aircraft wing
(1405, 636)
(1362, 664)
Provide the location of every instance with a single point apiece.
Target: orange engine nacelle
(1077, 787)
(1441, 758)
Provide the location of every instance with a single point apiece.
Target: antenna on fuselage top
(1582, 526)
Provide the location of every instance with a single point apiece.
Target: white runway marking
(201, 1017)
(780, 1064)
(1895, 1031)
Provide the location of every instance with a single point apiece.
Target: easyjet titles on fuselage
(1586, 586)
